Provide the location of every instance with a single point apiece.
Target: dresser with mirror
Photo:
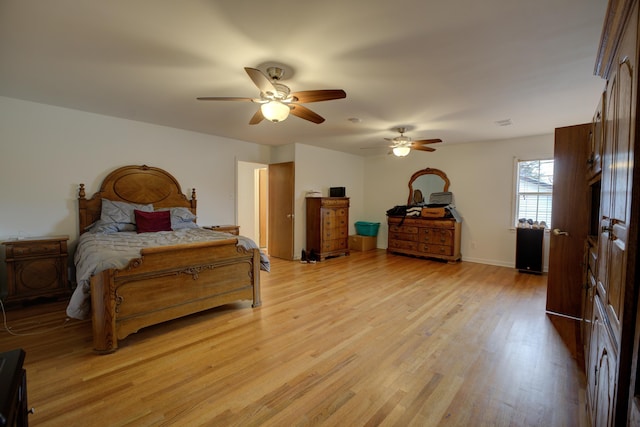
(421, 236)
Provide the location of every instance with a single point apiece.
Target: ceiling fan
(277, 101)
(402, 145)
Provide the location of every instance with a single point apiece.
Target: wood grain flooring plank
(370, 339)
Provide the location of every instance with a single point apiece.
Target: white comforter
(97, 252)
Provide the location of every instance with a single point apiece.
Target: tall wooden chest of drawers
(328, 226)
(36, 267)
(425, 237)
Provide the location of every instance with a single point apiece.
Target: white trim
(514, 186)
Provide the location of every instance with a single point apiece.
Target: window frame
(516, 193)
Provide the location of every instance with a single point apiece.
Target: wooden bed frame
(165, 282)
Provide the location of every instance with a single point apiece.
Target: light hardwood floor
(364, 340)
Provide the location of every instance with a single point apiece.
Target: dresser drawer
(407, 229)
(403, 244)
(335, 233)
(334, 245)
(333, 212)
(437, 236)
(333, 221)
(334, 202)
(441, 223)
(436, 249)
(404, 236)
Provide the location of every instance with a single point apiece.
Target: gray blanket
(97, 252)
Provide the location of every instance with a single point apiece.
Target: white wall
(46, 151)
(319, 169)
(481, 176)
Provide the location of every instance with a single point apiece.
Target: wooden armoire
(610, 307)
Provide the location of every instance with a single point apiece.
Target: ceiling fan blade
(261, 81)
(222, 98)
(422, 148)
(306, 96)
(427, 141)
(257, 117)
(307, 114)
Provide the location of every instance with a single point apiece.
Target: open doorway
(252, 201)
(265, 206)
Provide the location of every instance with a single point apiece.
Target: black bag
(400, 210)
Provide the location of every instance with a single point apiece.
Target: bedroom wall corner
(47, 151)
(319, 169)
(481, 175)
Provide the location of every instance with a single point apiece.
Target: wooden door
(570, 217)
(263, 180)
(281, 210)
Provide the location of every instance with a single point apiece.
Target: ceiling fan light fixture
(401, 151)
(275, 111)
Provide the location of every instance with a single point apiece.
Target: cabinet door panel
(592, 367)
(601, 374)
(615, 296)
(37, 275)
(622, 163)
(596, 140)
(587, 324)
(617, 173)
(605, 390)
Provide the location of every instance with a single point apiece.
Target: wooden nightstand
(233, 229)
(36, 267)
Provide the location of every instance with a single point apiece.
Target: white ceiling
(444, 69)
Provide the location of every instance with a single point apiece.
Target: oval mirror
(424, 182)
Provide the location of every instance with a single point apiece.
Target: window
(534, 190)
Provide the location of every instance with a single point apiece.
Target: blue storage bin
(364, 228)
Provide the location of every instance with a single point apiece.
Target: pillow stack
(118, 216)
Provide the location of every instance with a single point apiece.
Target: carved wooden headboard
(134, 184)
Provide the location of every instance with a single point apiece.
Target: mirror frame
(427, 171)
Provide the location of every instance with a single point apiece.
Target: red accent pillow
(148, 222)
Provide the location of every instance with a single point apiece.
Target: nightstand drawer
(33, 249)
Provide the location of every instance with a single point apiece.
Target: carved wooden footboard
(165, 282)
(170, 282)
